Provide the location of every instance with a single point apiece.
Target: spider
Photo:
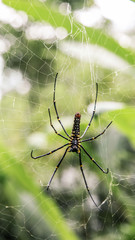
(74, 140)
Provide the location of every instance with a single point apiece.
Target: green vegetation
(27, 210)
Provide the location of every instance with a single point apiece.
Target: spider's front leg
(54, 127)
(54, 103)
(93, 114)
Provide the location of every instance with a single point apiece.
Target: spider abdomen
(76, 126)
(75, 135)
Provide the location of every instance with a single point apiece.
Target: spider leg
(93, 138)
(54, 127)
(81, 167)
(54, 102)
(57, 168)
(106, 172)
(48, 152)
(92, 113)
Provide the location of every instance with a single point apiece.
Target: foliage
(41, 215)
(40, 11)
(16, 185)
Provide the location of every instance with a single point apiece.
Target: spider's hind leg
(81, 167)
(106, 172)
(57, 167)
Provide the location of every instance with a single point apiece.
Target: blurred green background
(78, 40)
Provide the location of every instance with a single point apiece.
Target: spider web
(31, 54)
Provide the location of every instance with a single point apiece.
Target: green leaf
(124, 119)
(17, 180)
(43, 12)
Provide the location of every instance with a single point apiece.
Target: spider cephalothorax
(74, 141)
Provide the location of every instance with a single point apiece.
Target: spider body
(74, 141)
(75, 135)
